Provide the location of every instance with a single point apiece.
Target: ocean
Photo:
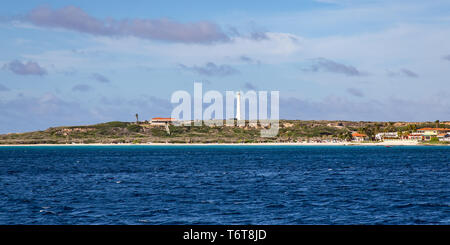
(224, 185)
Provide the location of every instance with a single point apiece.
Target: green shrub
(136, 141)
(114, 124)
(434, 139)
(158, 132)
(134, 128)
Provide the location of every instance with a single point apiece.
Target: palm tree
(400, 134)
(137, 118)
(409, 127)
(347, 136)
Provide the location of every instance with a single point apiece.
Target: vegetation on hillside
(137, 132)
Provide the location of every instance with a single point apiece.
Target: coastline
(393, 143)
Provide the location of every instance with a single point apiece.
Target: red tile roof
(164, 119)
(437, 129)
(358, 135)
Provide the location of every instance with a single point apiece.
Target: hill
(131, 132)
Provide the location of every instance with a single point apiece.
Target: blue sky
(83, 62)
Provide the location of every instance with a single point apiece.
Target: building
(444, 137)
(162, 121)
(359, 137)
(238, 106)
(387, 136)
(429, 133)
(415, 136)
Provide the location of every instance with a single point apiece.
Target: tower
(238, 106)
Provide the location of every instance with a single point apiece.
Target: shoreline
(407, 143)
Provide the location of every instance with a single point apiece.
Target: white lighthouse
(238, 106)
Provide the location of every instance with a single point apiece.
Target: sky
(80, 62)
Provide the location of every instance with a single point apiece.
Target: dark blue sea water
(224, 185)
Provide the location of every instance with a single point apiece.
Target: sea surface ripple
(224, 185)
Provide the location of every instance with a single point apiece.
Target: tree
(367, 131)
(403, 134)
(137, 118)
(377, 129)
(437, 123)
(370, 133)
(346, 136)
(134, 128)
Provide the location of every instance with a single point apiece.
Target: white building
(238, 106)
(444, 137)
(387, 136)
(162, 120)
(359, 137)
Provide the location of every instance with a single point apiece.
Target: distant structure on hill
(165, 120)
(162, 120)
(238, 106)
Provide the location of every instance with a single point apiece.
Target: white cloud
(276, 48)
